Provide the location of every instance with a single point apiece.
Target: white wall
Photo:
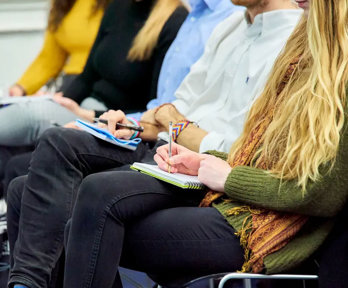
(22, 25)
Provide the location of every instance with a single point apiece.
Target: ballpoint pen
(170, 142)
(170, 138)
(128, 126)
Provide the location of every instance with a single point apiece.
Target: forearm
(46, 65)
(150, 132)
(191, 137)
(258, 188)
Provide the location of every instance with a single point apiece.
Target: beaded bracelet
(178, 127)
(135, 122)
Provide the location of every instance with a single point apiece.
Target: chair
(248, 276)
(223, 278)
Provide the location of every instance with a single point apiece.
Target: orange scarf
(268, 231)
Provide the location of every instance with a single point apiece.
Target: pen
(170, 138)
(128, 126)
(170, 142)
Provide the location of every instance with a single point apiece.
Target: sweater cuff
(245, 183)
(218, 154)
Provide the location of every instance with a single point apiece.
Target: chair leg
(246, 283)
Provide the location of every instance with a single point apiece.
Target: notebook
(23, 99)
(106, 135)
(177, 179)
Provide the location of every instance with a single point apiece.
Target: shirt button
(177, 49)
(193, 19)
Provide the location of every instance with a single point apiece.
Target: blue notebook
(106, 135)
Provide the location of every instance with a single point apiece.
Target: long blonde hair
(310, 111)
(146, 39)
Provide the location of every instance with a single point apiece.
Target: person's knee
(58, 138)
(15, 192)
(91, 192)
(16, 166)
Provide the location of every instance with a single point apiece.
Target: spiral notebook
(177, 179)
(106, 135)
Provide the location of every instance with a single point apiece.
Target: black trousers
(6, 155)
(61, 160)
(144, 224)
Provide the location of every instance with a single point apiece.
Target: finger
(178, 159)
(58, 95)
(123, 133)
(111, 118)
(163, 152)
(160, 162)
(171, 169)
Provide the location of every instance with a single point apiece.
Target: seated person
(236, 40)
(121, 71)
(187, 47)
(273, 198)
(72, 28)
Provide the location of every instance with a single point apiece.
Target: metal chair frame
(247, 277)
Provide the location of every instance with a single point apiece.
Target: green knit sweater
(321, 202)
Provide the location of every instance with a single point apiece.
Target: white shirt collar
(266, 22)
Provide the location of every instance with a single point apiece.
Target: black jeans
(18, 165)
(6, 155)
(62, 158)
(141, 223)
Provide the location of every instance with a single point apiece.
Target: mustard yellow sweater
(66, 49)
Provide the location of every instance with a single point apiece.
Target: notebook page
(176, 177)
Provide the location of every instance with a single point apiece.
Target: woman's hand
(16, 90)
(74, 107)
(213, 172)
(114, 117)
(182, 161)
(71, 125)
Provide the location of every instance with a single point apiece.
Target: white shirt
(224, 82)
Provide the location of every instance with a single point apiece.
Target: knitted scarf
(264, 231)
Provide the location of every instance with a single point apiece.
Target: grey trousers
(23, 123)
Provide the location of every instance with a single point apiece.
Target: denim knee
(15, 192)
(91, 193)
(60, 139)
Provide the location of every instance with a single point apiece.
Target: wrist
(88, 115)
(166, 113)
(135, 122)
(19, 90)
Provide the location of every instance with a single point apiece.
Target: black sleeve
(166, 37)
(82, 86)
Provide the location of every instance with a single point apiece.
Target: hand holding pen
(121, 125)
(182, 160)
(116, 119)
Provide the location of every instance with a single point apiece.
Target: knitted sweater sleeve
(322, 198)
